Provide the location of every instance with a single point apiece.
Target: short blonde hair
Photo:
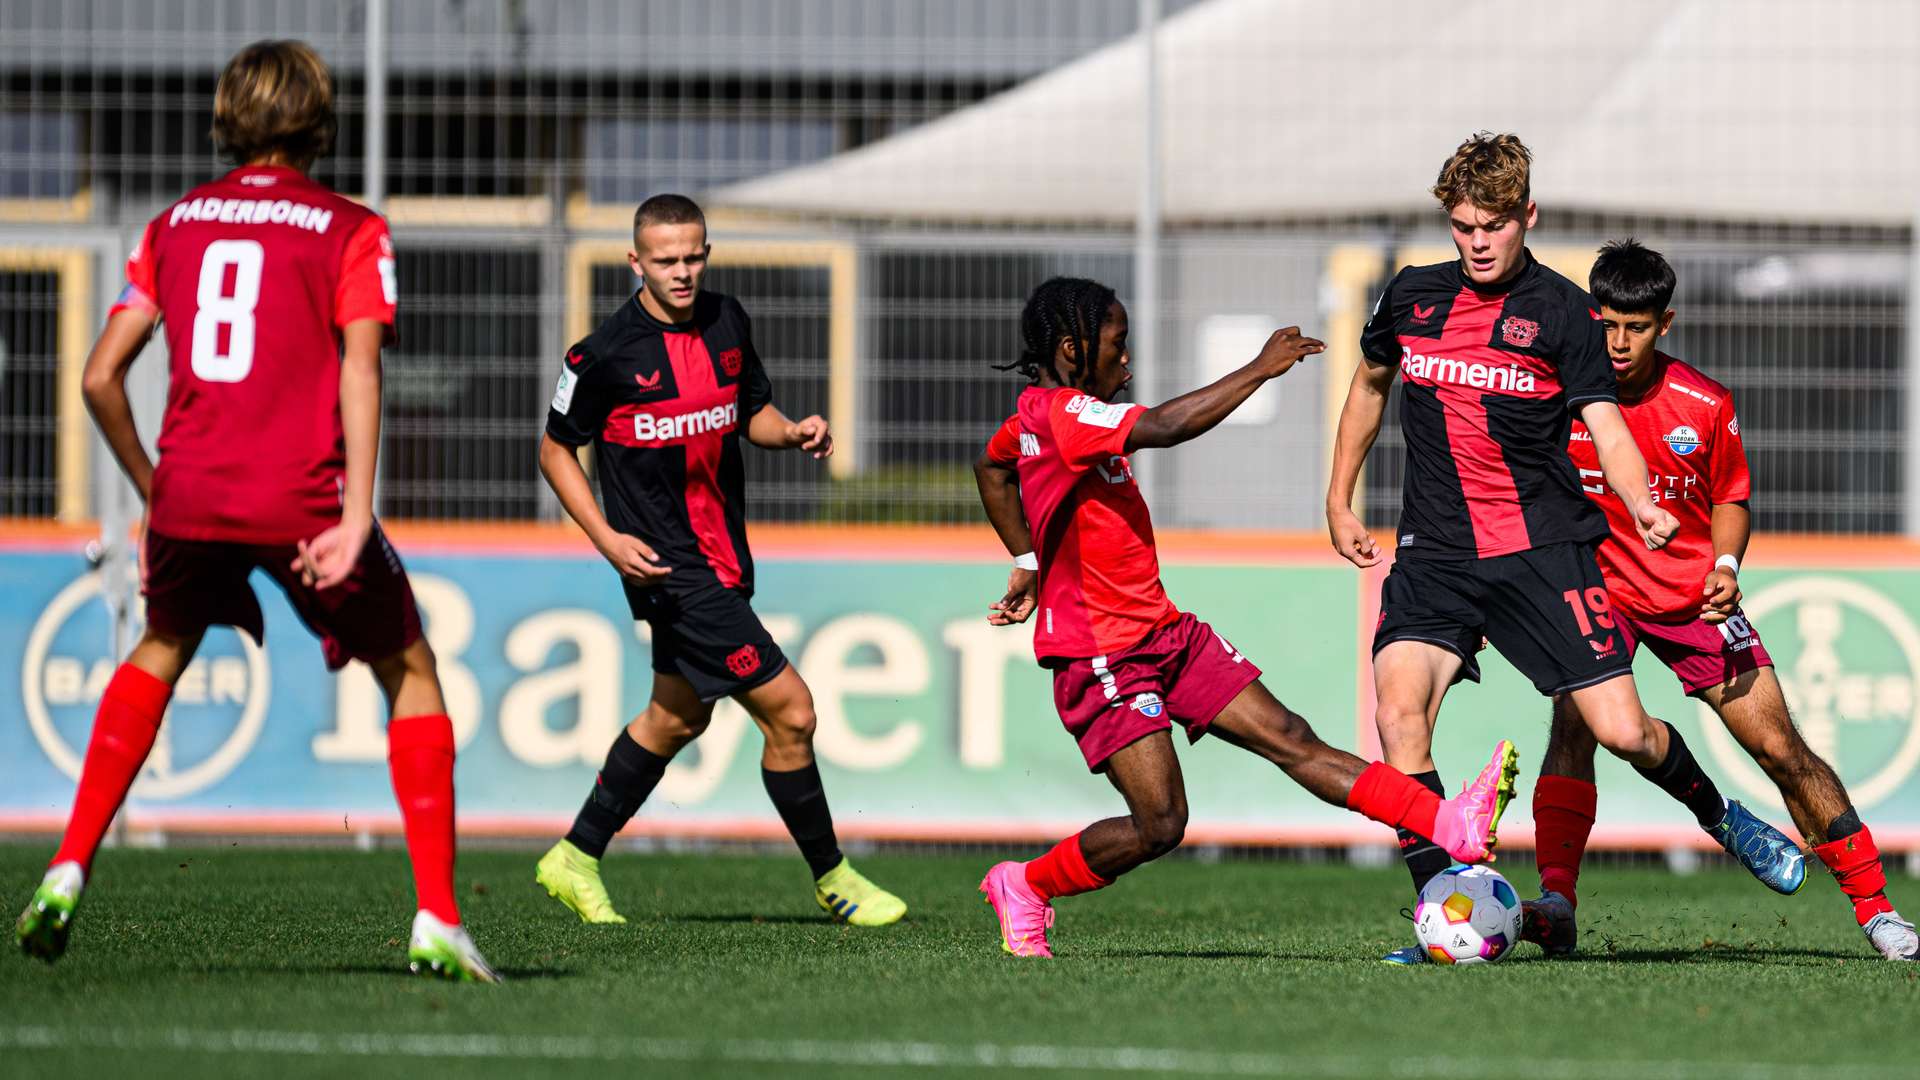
(1491, 170)
(275, 96)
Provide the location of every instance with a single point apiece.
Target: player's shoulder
(1563, 291)
(1692, 378)
(1443, 277)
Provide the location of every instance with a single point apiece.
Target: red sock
(1063, 871)
(420, 759)
(1391, 797)
(123, 733)
(1855, 862)
(1563, 812)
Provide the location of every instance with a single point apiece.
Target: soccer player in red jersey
(664, 391)
(1497, 353)
(1059, 490)
(277, 296)
(1683, 602)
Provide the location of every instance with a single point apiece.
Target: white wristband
(1029, 561)
(1729, 562)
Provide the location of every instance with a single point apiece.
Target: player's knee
(1628, 737)
(1162, 830)
(796, 723)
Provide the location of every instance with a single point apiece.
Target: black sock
(802, 803)
(1844, 826)
(1424, 858)
(625, 781)
(1681, 777)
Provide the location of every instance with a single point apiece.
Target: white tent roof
(1275, 109)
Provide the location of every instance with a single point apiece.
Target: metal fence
(518, 136)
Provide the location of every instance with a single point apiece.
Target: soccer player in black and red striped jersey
(664, 390)
(1496, 541)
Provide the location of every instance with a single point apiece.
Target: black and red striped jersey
(1490, 379)
(664, 405)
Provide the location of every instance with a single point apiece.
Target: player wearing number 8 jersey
(1683, 603)
(276, 295)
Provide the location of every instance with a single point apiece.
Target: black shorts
(1546, 610)
(709, 636)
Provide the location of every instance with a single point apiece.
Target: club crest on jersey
(1682, 440)
(1518, 331)
(730, 361)
(743, 661)
(1149, 705)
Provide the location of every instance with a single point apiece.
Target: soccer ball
(1467, 915)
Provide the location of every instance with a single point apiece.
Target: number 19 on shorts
(217, 308)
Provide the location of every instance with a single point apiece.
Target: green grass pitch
(290, 963)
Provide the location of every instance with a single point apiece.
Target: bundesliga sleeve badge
(563, 392)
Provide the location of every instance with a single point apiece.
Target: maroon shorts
(1702, 654)
(193, 584)
(1183, 671)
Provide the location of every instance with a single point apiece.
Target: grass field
(237, 961)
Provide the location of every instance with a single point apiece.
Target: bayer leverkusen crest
(1518, 331)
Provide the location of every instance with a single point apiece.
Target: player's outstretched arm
(1360, 420)
(1195, 413)
(771, 430)
(1732, 527)
(104, 384)
(999, 485)
(1626, 471)
(628, 554)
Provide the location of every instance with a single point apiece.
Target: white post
(374, 187)
(1145, 323)
(1910, 516)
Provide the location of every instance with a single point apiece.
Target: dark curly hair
(1061, 307)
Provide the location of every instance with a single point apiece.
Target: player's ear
(633, 260)
(1532, 215)
(1067, 356)
(1666, 322)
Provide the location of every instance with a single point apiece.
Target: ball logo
(1519, 332)
(219, 704)
(1149, 705)
(743, 661)
(1848, 658)
(1682, 440)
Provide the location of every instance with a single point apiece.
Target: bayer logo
(219, 703)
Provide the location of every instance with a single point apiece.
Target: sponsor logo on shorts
(1149, 705)
(743, 661)
(730, 361)
(1604, 649)
(1518, 331)
(1682, 440)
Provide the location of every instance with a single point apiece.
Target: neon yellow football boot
(572, 877)
(43, 927)
(849, 897)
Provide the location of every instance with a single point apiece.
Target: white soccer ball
(1467, 915)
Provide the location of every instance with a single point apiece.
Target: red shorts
(193, 584)
(1702, 654)
(1183, 671)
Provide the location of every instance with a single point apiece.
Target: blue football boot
(1764, 850)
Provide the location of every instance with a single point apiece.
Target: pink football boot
(1467, 823)
(1024, 917)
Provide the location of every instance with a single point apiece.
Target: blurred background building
(889, 178)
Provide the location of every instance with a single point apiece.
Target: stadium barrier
(932, 724)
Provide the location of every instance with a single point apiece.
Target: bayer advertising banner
(932, 724)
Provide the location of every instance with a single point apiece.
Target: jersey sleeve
(142, 291)
(1586, 375)
(1004, 447)
(756, 389)
(1379, 341)
(581, 402)
(1729, 481)
(1088, 431)
(368, 287)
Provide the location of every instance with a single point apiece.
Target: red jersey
(1686, 429)
(254, 275)
(1099, 574)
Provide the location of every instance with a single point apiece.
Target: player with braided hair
(1125, 662)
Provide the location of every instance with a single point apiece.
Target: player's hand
(634, 559)
(328, 559)
(1722, 595)
(1284, 349)
(812, 435)
(1655, 525)
(1351, 538)
(1022, 596)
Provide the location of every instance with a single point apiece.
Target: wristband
(1029, 561)
(1728, 561)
